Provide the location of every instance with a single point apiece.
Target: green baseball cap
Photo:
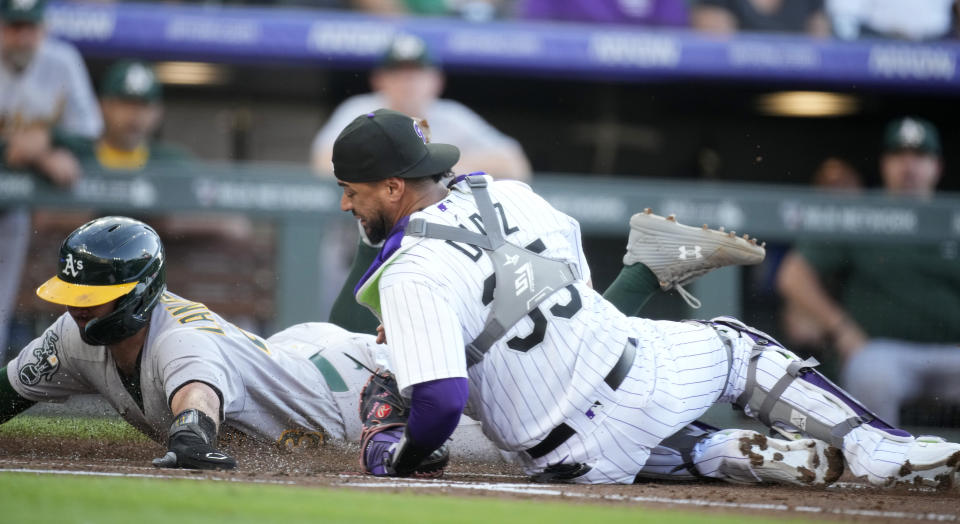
(911, 133)
(131, 80)
(22, 10)
(406, 50)
(385, 144)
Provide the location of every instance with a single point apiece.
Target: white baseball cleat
(930, 461)
(677, 254)
(802, 462)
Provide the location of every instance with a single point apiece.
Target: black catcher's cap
(385, 144)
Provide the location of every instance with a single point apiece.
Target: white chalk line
(53, 466)
(141, 475)
(523, 489)
(527, 489)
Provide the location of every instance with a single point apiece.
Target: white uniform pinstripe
(431, 298)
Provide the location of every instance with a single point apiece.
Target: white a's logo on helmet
(72, 267)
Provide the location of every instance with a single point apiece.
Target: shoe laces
(688, 297)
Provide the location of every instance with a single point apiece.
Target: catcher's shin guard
(788, 395)
(773, 385)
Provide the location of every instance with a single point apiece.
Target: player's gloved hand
(382, 449)
(191, 444)
(378, 454)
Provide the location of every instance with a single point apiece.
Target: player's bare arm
(798, 282)
(193, 435)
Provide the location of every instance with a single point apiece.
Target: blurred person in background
(45, 96)
(894, 324)
(783, 16)
(131, 99)
(407, 80)
(640, 12)
(927, 20)
(132, 106)
(836, 176)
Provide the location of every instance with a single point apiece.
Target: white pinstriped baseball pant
(680, 371)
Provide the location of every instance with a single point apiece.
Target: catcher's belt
(614, 378)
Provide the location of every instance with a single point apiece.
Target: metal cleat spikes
(647, 211)
(672, 218)
(720, 229)
(705, 227)
(732, 234)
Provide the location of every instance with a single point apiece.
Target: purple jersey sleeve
(435, 409)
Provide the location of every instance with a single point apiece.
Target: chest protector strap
(523, 279)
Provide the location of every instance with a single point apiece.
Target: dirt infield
(336, 466)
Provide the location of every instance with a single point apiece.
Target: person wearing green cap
(131, 98)
(45, 95)
(894, 324)
(131, 101)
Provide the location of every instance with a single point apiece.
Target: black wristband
(195, 422)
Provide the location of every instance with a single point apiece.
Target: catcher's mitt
(384, 413)
(381, 406)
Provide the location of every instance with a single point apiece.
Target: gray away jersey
(270, 390)
(547, 369)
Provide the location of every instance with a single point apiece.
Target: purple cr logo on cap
(416, 128)
(370, 115)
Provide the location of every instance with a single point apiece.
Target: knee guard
(822, 411)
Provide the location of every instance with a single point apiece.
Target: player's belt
(614, 378)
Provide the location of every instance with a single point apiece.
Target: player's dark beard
(376, 229)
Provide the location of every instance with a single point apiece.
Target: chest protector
(522, 279)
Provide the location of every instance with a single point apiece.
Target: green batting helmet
(110, 258)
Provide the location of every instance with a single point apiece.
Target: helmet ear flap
(131, 314)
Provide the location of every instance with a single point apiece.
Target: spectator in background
(800, 326)
(407, 80)
(131, 99)
(45, 96)
(131, 102)
(784, 16)
(836, 175)
(639, 12)
(926, 20)
(895, 323)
